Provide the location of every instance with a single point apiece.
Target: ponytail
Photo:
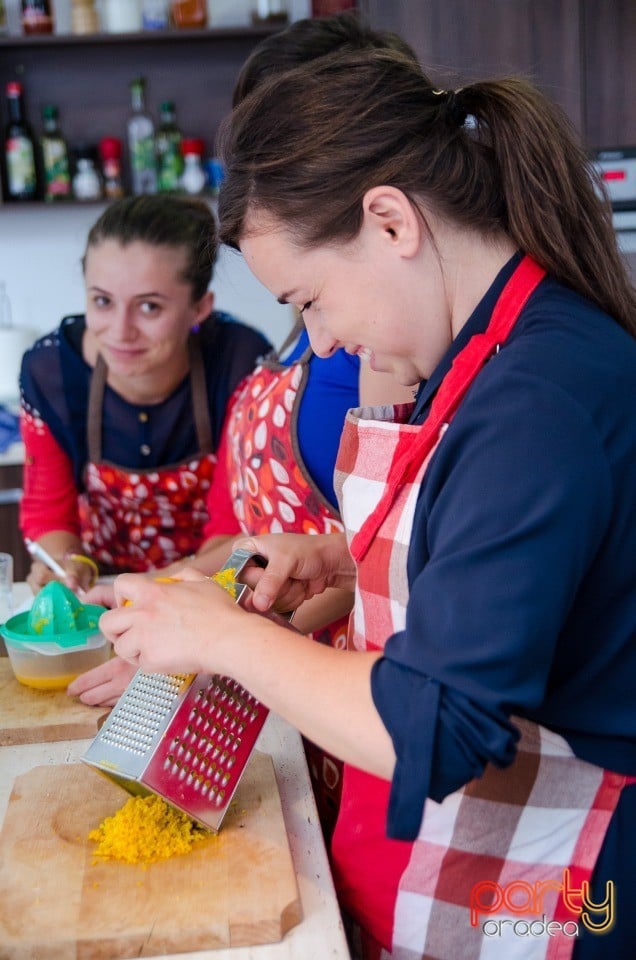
(553, 210)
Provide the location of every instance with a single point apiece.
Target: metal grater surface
(146, 705)
(134, 728)
(186, 738)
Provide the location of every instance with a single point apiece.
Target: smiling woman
(122, 408)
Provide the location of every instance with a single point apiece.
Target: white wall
(40, 253)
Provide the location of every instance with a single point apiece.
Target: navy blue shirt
(522, 560)
(55, 380)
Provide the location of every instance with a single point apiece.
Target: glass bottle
(6, 320)
(110, 153)
(19, 148)
(168, 149)
(36, 16)
(4, 26)
(189, 13)
(141, 141)
(194, 178)
(55, 163)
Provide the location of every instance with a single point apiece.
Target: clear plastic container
(49, 667)
(56, 640)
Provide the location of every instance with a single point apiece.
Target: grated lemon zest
(144, 830)
(227, 580)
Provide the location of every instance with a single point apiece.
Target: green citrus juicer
(57, 639)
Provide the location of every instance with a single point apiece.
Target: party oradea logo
(525, 902)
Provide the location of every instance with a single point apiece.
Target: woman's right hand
(103, 685)
(299, 566)
(38, 576)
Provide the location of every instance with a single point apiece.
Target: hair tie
(451, 109)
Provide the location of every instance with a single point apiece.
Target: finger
(102, 594)
(127, 587)
(115, 622)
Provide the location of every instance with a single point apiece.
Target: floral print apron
(273, 492)
(511, 834)
(138, 520)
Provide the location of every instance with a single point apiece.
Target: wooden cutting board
(236, 888)
(41, 716)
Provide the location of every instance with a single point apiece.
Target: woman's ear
(203, 308)
(393, 219)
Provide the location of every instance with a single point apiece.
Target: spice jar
(189, 13)
(110, 153)
(194, 178)
(36, 16)
(155, 14)
(269, 11)
(121, 16)
(84, 17)
(87, 184)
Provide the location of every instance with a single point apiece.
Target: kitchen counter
(319, 935)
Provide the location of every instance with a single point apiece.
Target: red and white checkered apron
(501, 834)
(273, 492)
(139, 520)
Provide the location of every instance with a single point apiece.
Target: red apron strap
(410, 451)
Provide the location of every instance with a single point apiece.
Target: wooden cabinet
(468, 40)
(579, 52)
(609, 35)
(87, 77)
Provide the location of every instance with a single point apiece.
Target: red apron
(138, 520)
(506, 840)
(273, 492)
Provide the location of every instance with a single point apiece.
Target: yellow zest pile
(144, 830)
(227, 580)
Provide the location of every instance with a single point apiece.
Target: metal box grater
(185, 737)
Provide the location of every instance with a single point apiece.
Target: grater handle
(237, 561)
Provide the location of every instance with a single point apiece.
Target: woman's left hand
(183, 626)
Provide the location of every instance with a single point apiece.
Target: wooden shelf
(87, 77)
(170, 35)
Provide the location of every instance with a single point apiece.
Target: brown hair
(308, 39)
(306, 146)
(164, 221)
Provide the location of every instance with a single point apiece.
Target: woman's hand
(183, 626)
(103, 685)
(298, 567)
(80, 570)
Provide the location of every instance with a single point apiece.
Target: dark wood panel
(472, 39)
(90, 83)
(10, 536)
(609, 37)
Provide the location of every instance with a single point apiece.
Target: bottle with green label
(168, 149)
(19, 148)
(141, 142)
(55, 162)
